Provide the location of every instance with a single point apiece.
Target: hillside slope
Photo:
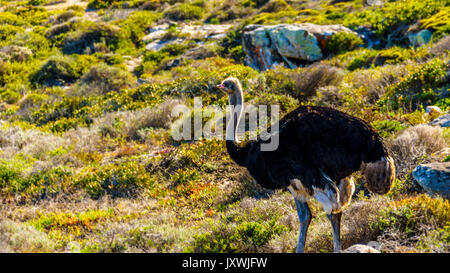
(88, 162)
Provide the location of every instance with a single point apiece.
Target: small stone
(431, 109)
(443, 121)
(374, 244)
(360, 249)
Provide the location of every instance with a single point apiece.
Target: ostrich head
(230, 85)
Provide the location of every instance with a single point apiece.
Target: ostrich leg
(304, 217)
(335, 219)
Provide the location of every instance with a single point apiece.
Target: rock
(420, 38)
(374, 244)
(434, 177)
(205, 31)
(200, 52)
(433, 109)
(290, 44)
(398, 36)
(156, 33)
(360, 249)
(373, 2)
(443, 121)
(157, 45)
(369, 37)
(213, 32)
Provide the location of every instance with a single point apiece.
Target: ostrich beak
(221, 88)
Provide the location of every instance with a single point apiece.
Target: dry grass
(307, 81)
(132, 125)
(355, 227)
(441, 47)
(34, 143)
(102, 79)
(412, 144)
(376, 81)
(19, 237)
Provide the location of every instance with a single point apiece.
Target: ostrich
(319, 148)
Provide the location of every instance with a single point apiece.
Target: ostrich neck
(237, 102)
(236, 153)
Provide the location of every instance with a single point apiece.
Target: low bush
(86, 38)
(302, 83)
(7, 32)
(342, 42)
(254, 3)
(412, 218)
(10, 96)
(100, 4)
(181, 12)
(387, 127)
(115, 179)
(136, 25)
(15, 53)
(60, 70)
(439, 23)
(417, 89)
(229, 238)
(102, 79)
(413, 144)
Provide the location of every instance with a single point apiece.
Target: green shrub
(62, 69)
(34, 186)
(136, 24)
(10, 96)
(254, 3)
(7, 32)
(111, 59)
(302, 83)
(410, 215)
(15, 53)
(342, 42)
(364, 60)
(116, 179)
(8, 18)
(153, 60)
(102, 79)
(275, 6)
(85, 39)
(418, 88)
(67, 15)
(439, 23)
(35, 16)
(100, 4)
(181, 12)
(232, 45)
(387, 127)
(391, 15)
(36, 2)
(229, 238)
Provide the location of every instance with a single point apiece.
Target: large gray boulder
(211, 32)
(434, 177)
(443, 121)
(290, 44)
(420, 38)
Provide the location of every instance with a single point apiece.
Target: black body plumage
(313, 141)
